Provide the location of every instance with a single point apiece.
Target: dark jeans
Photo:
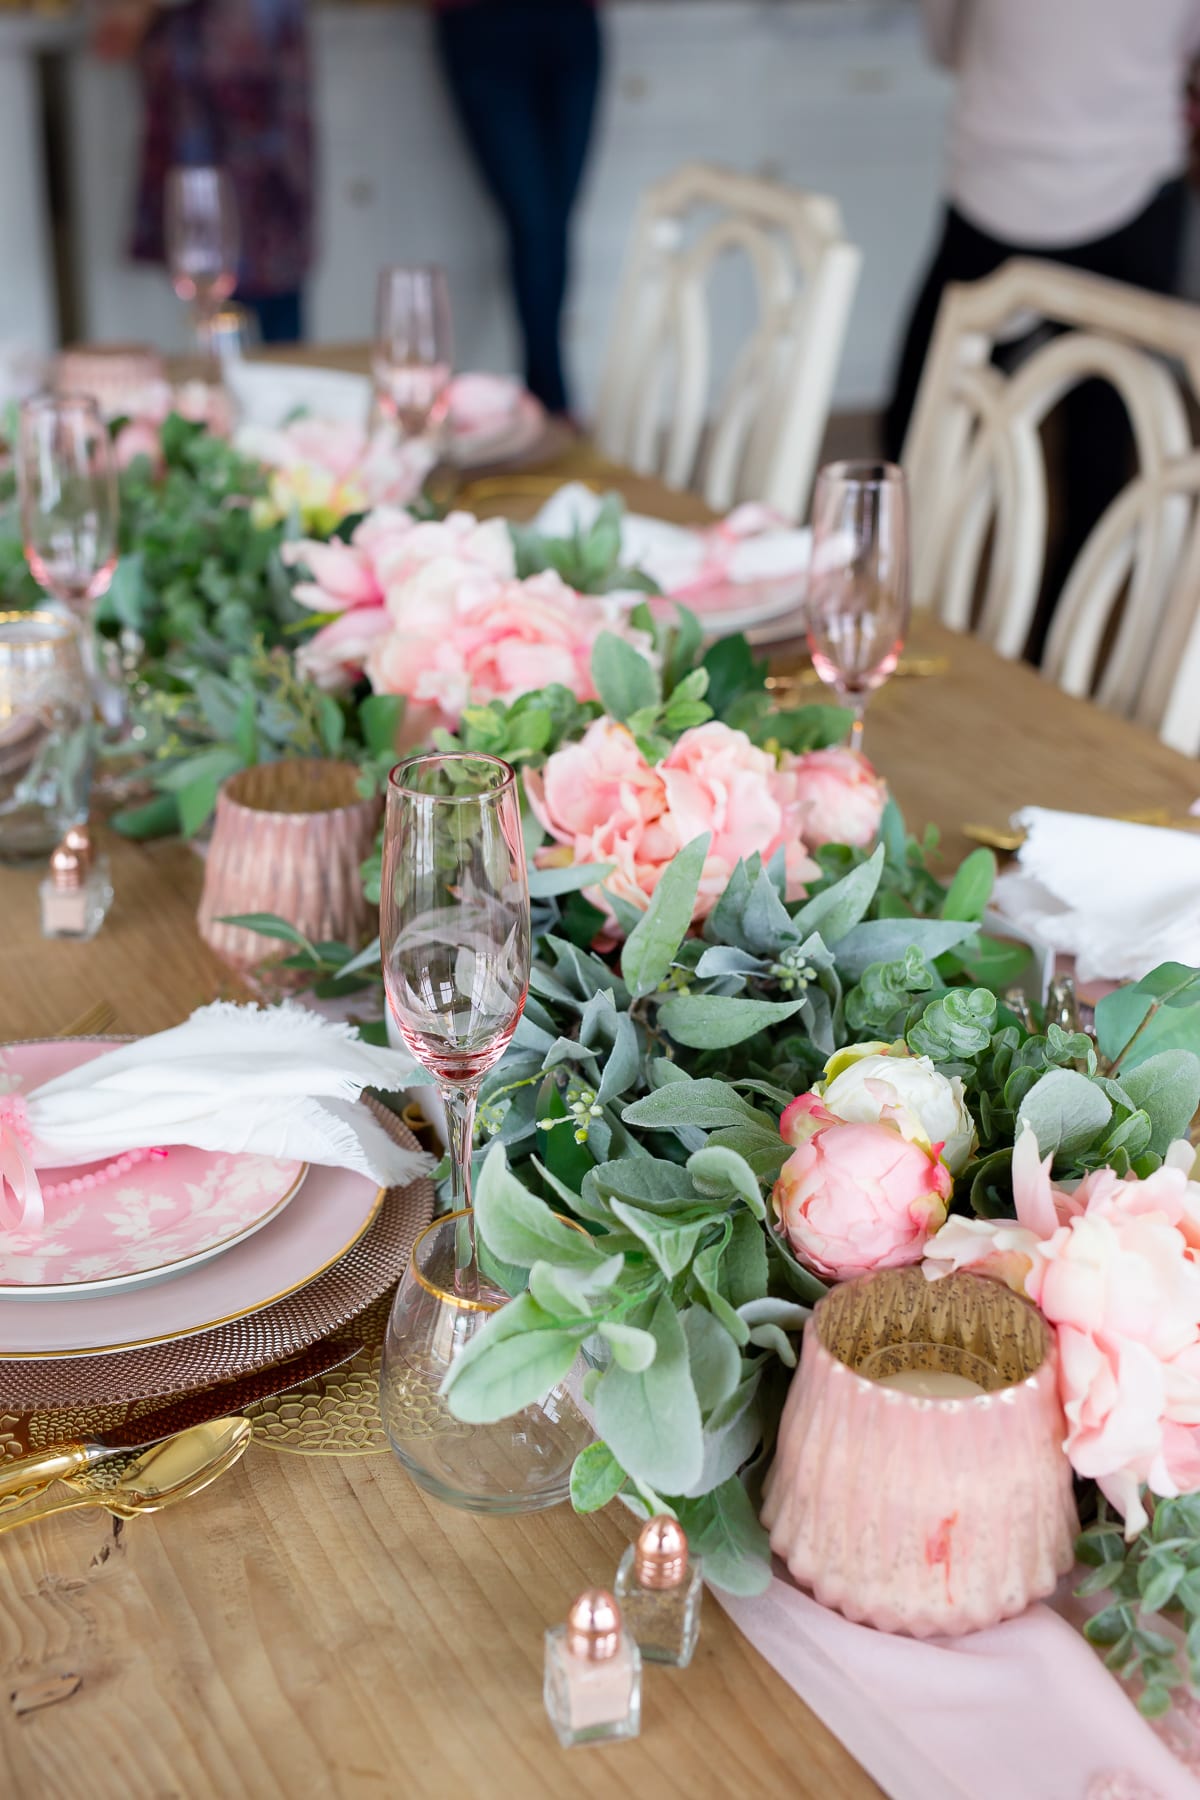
(280, 316)
(524, 75)
(1096, 436)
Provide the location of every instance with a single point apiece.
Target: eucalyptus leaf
(714, 1357)
(723, 1528)
(596, 1478)
(651, 1420)
(548, 884)
(623, 678)
(1066, 1112)
(670, 1240)
(719, 1170)
(886, 940)
(838, 909)
(716, 1022)
(650, 950)
(520, 1228)
(706, 1103)
(1159, 1012)
(633, 1348)
(1166, 1087)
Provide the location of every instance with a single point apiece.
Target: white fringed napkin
(1120, 898)
(275, 1081)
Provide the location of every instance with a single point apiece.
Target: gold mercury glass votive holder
(289, 839)
(519, 1464)
(941, 1504)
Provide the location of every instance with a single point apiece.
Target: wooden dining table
(317, 1625)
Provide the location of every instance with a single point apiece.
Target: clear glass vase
(520, 1464)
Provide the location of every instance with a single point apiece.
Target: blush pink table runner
(1025, 1711)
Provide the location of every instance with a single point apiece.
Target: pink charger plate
(150, 1222)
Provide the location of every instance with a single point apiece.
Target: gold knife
(29, 1474)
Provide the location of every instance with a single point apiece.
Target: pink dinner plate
(163, 1217)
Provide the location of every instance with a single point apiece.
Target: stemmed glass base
(520, 1464)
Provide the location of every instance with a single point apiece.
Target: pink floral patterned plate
(158, 1219)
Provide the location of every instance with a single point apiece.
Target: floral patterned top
(227, 82)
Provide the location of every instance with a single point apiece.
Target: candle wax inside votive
(931, 1384)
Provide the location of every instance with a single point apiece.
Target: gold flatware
(1011, 837)
(26, 1476)
(908, 668)
(92, 1023)
(175, 1470)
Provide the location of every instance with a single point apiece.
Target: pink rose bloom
(832, 797)
(856, 1198)
(718, 781)
(1113, 1268)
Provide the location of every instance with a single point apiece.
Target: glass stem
(858, 705)
(459, 1100)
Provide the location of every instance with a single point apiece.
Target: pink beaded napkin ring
(80, 1184)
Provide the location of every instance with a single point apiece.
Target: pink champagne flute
(858, 590)
(455, 939)
(414, 347)
(66, 476)
(202, 241)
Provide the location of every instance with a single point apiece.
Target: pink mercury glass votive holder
(915, 1514)
(289, 838)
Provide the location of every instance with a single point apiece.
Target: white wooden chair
(655, 413)
(1126, 627)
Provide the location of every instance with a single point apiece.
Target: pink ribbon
(20, 1189)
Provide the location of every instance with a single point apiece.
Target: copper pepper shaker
(659, 1586)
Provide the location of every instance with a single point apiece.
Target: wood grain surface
(311, 1627)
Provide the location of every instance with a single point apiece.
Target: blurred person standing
(1069, 142)
(524, 76)
(226, 82)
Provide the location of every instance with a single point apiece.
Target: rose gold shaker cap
(594, 1626)
(660, 1558)
(79, 840)
(66, 870)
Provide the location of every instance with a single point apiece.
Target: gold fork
(92, 1023)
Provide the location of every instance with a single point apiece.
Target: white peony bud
(868, 1082)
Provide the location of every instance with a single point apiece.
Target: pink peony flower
(466, 637)
(602, 799)
(140, 437)
(396, 571)
(1113, 1267)
(833, 796)
(718, 781)
(855, 1198)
